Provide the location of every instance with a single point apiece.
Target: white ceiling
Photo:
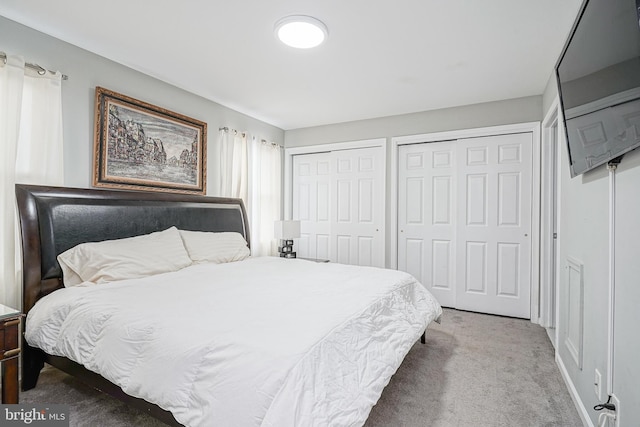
(382, 58)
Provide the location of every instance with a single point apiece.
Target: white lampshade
(287, 230)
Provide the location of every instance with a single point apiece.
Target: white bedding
(261, 342)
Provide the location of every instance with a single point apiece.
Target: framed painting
(145, 147)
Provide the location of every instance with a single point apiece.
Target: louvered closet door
(339, 198)
(494, 224)
(427, 220)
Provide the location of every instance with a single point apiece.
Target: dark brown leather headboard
(54, 219)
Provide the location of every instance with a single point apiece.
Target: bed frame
(54, 219)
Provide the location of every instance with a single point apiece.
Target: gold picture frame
(145, 147)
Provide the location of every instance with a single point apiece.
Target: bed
(258, 341)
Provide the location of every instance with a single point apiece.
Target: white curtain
(31, 141)
(265, 190)
(252, 170)
(233, 164)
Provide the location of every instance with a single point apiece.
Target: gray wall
(505, 112)
(87, 70)
(584, 236)
(550, 93)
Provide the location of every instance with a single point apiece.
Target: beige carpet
(478, 370)
(475, 370)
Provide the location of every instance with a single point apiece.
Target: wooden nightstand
(9, 352)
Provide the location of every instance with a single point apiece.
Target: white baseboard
(582, 410)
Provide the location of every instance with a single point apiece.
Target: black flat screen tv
(598, 76)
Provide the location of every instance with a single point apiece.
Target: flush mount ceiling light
(302, 32)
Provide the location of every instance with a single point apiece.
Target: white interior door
(494, 224)
(312, 204)
(464, 221)
(358, 224)
(427, 219)
(338, 197)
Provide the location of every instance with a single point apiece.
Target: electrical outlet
(596, 385)
(616, 402)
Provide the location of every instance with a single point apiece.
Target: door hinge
(555, 235)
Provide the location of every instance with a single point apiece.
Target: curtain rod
(235, 132)
(226, 129)
(271, 143)
(41, 70)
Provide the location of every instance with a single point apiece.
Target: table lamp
(286, 231)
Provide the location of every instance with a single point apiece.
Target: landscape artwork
(145, 147)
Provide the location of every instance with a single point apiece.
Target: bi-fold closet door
(464, 221)
(338, 197)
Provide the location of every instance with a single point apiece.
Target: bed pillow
(215, 247)
(129, 258)
(69, 277)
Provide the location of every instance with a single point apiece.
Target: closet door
(358, 222)
(464, 221)
(312, 203)
(494, 224)
(339, 198)
(427, 218)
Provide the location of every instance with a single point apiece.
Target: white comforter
(261, 342)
